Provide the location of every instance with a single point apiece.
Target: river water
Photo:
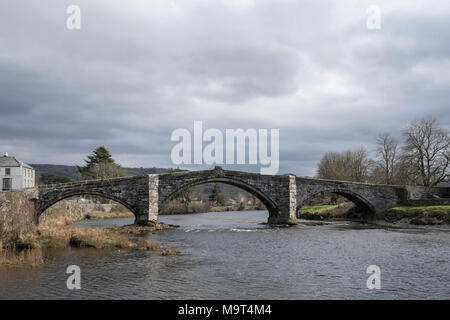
(231, 255)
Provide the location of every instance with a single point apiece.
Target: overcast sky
(137, 70)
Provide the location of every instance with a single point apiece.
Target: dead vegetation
(22, 242)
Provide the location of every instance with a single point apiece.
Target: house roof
(6, 161)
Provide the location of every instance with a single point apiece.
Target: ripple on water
(231, 255)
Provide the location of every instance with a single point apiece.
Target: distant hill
(72, 173)
(141, 171)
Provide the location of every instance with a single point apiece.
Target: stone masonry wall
(283, 195)
(375, 198)
(132, 192)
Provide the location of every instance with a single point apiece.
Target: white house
(15, 174)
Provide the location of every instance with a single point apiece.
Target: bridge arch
(359, 200)
(259, 194)
(46, 205)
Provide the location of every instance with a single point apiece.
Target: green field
(421, 209)
(417, 214)
(437, 214)
(322, 208)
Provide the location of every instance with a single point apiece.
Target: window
(7, 184)
(7, 171)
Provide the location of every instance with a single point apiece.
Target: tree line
(420, 158)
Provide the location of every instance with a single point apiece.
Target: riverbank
(415, 215)
(24, 242)
(29, 247)
(95, 215)
(177, 208)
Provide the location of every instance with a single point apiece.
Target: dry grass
(108, 215)
(59, 233)
(143, 244)
(150, 227)
(170, 252)
(31, 257)
(55, 233)
(174, 207)
(18, 238)
(22, 242)
(98, 238)
(16, 228)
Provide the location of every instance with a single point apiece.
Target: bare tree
(426, 152)
(331, 166)
(387, 158)
(351, 165)
(357, 163)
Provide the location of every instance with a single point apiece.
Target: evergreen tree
(100, 165)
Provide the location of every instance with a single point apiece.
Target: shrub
(200, 207)
(99, 208)
(173, 208)
(118, 208)
(16, 220)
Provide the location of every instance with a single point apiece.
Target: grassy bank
(321, 208)
(417, 215)
(327, 211)
(107, 215)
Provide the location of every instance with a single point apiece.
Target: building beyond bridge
(283, 195)
(15, 174)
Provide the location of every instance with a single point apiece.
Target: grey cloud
(138, 70)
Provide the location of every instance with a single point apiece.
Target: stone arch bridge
(282, 195)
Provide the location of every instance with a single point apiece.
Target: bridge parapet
(427, 193)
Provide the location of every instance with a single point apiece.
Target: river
(231, 255)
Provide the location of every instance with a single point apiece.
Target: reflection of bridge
(283, 195)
